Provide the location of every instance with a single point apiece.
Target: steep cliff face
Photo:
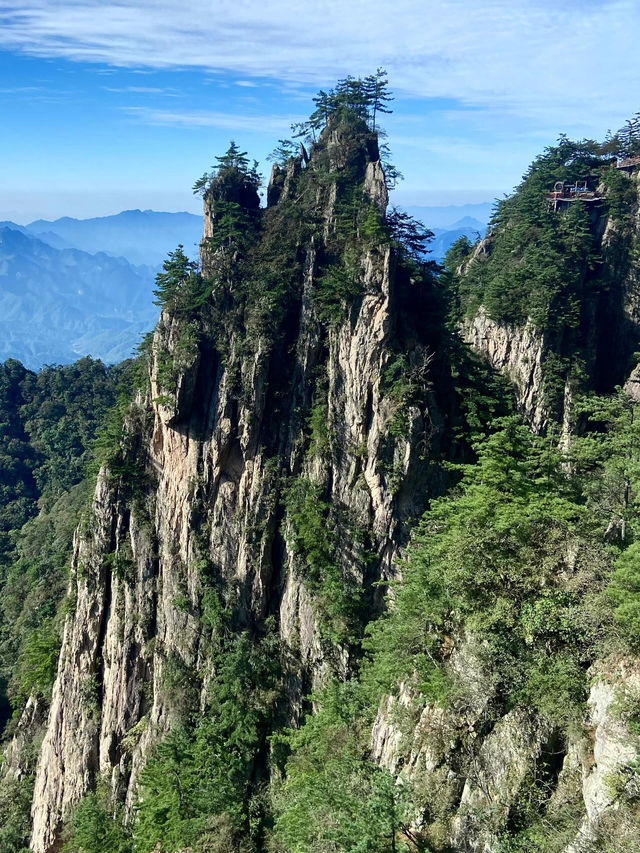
(518, 352)
(474, 767)
(213, 445)
(475, 773)
(302, 391)
(547, 363)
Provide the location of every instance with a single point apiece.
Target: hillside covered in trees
(360, 571)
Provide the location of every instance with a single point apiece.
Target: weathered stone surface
(494, 778)
(375, 186)
(174, 401)
(17, 755)
(609, 747)
(518, 352)
(217, 459)
(472, 768)
(69, 754)
(609, 329)
(223, 441)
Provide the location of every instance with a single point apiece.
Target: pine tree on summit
(352, 98)
(629, 137)
(232, 165)
(233, 158)
(177, 270)
(376, 87)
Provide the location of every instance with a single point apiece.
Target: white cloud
(570, 61)
(206, 118)
(142, 90)
(21, 90)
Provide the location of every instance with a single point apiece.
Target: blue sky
(107, 106)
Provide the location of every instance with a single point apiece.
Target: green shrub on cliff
(177, 287)
(333, 796)
(202, 774)
(488, 562)
(314, 536)
(97, 826)
(538, 260)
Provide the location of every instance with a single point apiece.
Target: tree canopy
(232, 167)
(352, 98)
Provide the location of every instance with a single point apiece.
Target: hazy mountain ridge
(450, 216)
(450, 222)
(73, 287)
(444, 238)
(140, 236)
(60, 304)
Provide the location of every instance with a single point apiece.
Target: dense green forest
(50, 420)
(522, 573)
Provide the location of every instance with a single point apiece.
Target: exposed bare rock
(375, 186)
(241, 406)
(612, 748)
(469, 768)
(519, 353)
(632, 385)
(608, 333)
(274, 187)
(494, 778)
(218, 437)
(174, 393)
(481, 250)
(69, 754)
(17, 762)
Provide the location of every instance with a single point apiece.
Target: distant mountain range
(444, 238)
(74, 287)
(450, 222)
(77, 287)
(451, 215)
(140, 236)
(57, 305)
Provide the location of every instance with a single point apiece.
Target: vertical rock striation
(215, 452)
(285, 377)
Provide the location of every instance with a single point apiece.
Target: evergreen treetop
(177, 269)
(233, 167)
(629, 137)
(352, 98)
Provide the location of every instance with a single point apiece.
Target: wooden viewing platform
(564, 193)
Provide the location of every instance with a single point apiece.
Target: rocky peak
(306, 396)
(347, 152)
(232, 185)
(349, 146)
(255, 389)
(587, 344)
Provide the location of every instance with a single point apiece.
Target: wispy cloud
(142, 90)
(575, 60)
(219, 120)
(21, 90)
(41, 94)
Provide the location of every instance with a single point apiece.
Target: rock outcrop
(476, 766)
(609, 749)
(215, 452)
(518, 352)
(322, 382)
(597, 354)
